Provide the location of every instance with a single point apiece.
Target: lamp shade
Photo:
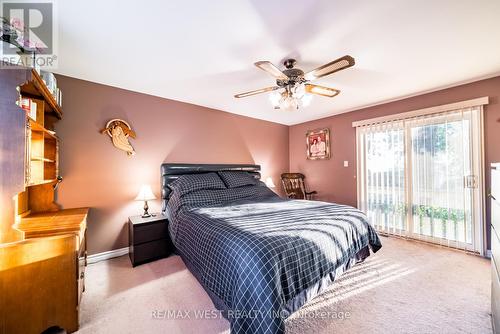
(270, 183)
(145, 194)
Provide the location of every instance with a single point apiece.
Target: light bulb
(291, 98)
(299, 90)
(289, 103)
(275, 98)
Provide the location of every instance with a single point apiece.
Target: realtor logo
(28, 33)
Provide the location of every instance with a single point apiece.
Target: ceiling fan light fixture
(293, 88)
(299, 90)
(275, 98)
(281, 100)
(289, 103)
(290, 98)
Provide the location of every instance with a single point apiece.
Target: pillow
(191, 182)
(234, 179)
(209, 197)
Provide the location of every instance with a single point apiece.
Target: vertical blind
(382, 177)
(420, 177)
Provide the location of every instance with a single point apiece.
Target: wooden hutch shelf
(42, 148)
(38, 127)
(41, 182)
(41, 159)
(45, 263)
(36, 88)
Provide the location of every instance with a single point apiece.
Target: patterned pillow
(206, 197)
(237, 179)
(191, 182)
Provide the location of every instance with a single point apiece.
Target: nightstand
(149, 239)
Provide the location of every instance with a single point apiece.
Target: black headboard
(171, 171)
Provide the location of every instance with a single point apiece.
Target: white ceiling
(202, 52)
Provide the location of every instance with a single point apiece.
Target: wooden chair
(294, 186)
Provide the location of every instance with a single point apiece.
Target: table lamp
(145, 194)
(270, 183)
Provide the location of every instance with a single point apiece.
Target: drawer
(149, 232)
(495, 184)
(81, 277)
(151, 250)
(82, 263)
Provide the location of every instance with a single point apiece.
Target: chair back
(293, 184)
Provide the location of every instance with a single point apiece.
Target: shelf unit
(42, 248)
(42, 143)
(36, 88)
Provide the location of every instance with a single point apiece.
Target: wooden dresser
(495, 246)
(69, 221)
(42, 247)
(43, 276)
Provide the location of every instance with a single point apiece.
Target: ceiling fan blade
(255, 92)
(271, 69)
(322, 90)
(331, 67)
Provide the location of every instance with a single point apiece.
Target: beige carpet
(407, 287)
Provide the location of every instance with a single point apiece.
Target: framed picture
(318, 144)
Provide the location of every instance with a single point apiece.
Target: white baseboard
(107, 255)
(488, 253)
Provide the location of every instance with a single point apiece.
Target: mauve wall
(336, 183)
(98, 175)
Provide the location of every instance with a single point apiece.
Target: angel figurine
(120, 131)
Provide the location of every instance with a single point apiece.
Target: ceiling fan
(292, 84)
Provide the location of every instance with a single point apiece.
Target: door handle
(470, 181)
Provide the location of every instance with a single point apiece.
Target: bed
(259, 257)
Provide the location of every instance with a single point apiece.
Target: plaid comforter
(257, 254)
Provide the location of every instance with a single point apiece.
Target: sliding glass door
(441, 163)
(385, 177)
(420, 177)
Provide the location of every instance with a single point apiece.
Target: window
(420, 176)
